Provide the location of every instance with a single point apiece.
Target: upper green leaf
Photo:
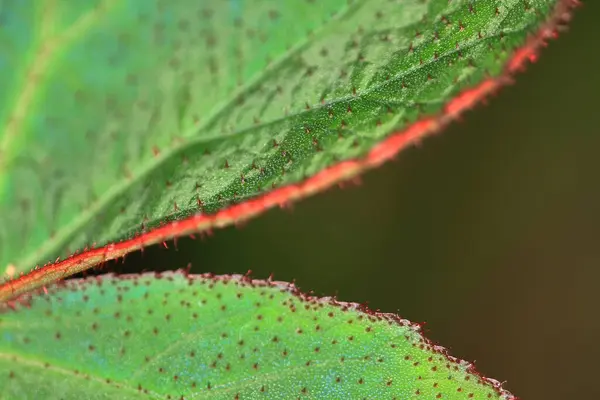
(116, 115)
(198, 337)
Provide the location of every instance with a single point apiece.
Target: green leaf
(228, 337)
(116, 116)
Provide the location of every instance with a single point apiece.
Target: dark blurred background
(489, 232)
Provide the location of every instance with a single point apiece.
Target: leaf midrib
(373, 88)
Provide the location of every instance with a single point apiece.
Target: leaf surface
(229, 337)
(116, 116)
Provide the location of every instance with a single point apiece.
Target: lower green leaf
(184, 336)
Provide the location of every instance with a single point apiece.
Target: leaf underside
(118, 115)
(229, 337)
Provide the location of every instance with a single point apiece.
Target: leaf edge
(24, 300)
(386, 150)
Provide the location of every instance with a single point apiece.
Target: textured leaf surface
(198, 337)
(117, 115)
